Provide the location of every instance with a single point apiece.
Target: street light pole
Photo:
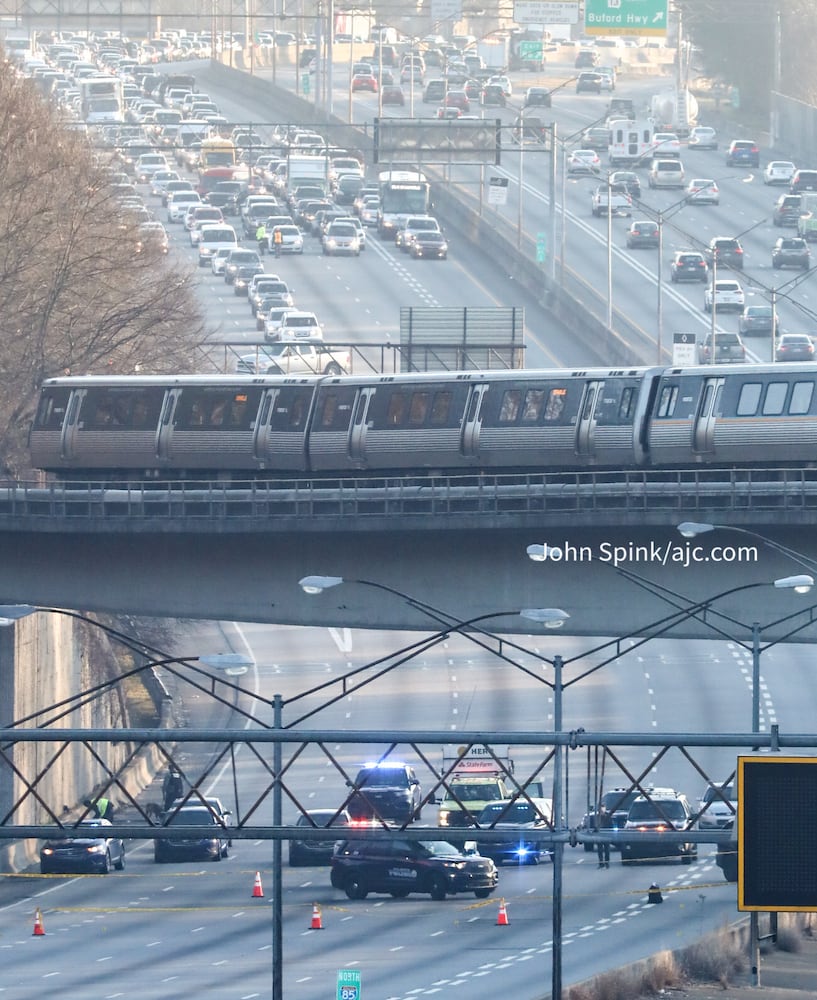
(609, 252)
(660, 288)
(558, 847)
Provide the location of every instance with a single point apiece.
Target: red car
(393, 95)
(448, 113)
(364, 81)
(457, 99)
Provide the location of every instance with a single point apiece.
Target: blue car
(743, 153)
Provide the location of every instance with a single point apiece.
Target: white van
(630, 141)
(214, 238)
(666, 174)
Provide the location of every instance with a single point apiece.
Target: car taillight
(738, 249)
(754, 149)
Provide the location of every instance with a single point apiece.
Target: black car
(429, 244)
(630, 180)
(210, 844)
(390, 791)
(791, 251)
(743, 152)
(727, 251)
(787, 210)
(756, 319)
(642, 234)
(794, 347)
(529, 820)
(537, 97)
(688, 265)
(585, 58)
(493, 95)
(318, 852)
(399, 867)
(803, 180)
(588, 83)
(94, 851)
(241, 258)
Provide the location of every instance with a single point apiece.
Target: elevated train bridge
(237, 550)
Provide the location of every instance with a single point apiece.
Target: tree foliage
(736, 39)
(75, 295)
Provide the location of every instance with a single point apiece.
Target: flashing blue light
(384, 763)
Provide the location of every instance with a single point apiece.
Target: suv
(723, 294)
(590, 82)
(727, 856)
(317, 852)
(617, 803)
(586, 58)
(791, 251)
(387, 791)
(666, 174)
(729, 349)
(743, 152)
(688, 265)
(661, 811)
(803, 180)
(786, 211)
(398, 867)
(414, 224)
(526, 821)
(717, 807)
(727, 250)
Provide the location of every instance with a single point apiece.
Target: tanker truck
(674, 111)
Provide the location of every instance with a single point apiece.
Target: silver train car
(243, 426)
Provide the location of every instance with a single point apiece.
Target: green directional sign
(625, 17)
(530, 50)
(348, 984)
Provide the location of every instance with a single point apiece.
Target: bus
(217, 152)
(402, 192)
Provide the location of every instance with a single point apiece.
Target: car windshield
(385, 777)
(192, 817)
(519, 812)
(669, 809)
(436, 848)
(713, 795)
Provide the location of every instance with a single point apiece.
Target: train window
(117, 409)
(203, 409)
(440, 408)
(775, 400)
(291, 409)
(706, 401)
(555, 404)
(801, 396)
(626, 406)
(51, 411)
(335, 409)
(749, 399)
(589, 399)
(509, 409)
(667, 401)
(361, 409)
(397, 409)
(418, 408)
(532, 409)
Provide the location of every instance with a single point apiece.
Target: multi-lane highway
(161, 931)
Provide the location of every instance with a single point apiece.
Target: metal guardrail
(433, 502)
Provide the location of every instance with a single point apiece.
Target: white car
(152, 234)
(666, 144)
(778, 172)
(219, 258)
(160, 180)
(178, 203)
(369, 210)
(727, 294)
(583, 161)
(703, 137)
(702, 191)
(717, 806)
(292, 239)
(148, 164)
(298, 325)
(504, 82)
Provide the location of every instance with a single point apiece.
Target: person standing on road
(172, 788)
(604, 821)
(277, 240)
(261, 238)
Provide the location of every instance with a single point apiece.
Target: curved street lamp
(691, 529)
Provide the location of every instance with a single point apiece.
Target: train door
(68, 443)
(164, 437)
(263, 426)
(357, 430)
(586, 424)
(703, 436)
(473, 421)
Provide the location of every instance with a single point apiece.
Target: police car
(399, 867)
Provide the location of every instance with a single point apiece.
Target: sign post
(349, 984)
(625, 17)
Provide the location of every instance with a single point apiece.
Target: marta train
(270, 426)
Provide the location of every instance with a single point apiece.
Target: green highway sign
(348, 984)
(530, 50)
(625, 17)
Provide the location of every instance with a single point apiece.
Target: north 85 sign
(348, 984)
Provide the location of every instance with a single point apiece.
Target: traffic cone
(654, 894)
(316, 923)
(39, 930)
(502, 918)
(257, 890)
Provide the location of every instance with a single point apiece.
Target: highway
(158, 932)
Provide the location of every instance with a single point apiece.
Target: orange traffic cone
(502, 919)
(39, 930)
(257, 890)
(317, 923)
